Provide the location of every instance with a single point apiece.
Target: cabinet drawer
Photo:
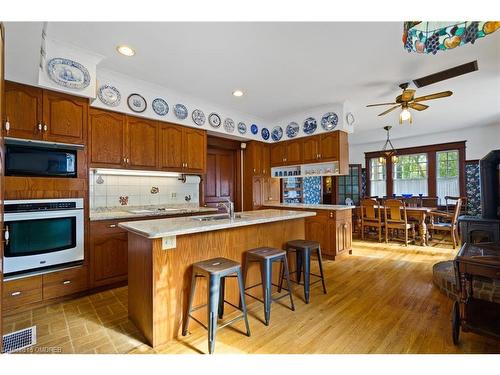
(106, 227)
(62, 283)
(22, 291)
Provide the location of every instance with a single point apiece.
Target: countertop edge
(310, 207)
(218, 226)
(178, 213)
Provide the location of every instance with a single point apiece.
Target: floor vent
(15, 341)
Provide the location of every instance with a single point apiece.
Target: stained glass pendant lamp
(433, 36)
(388, 150)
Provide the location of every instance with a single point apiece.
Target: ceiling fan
(407, 99)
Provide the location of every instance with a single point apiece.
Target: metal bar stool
(303, 250)
(266, 256)
(216, 270)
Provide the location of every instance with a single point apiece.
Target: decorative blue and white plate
(68, 73)
(198, 117)
(310, 125)
(160, 107)
(277, 133)
(242, 128)
(329, 121)
(136, 103)
(264, 133)
(229, 125)
(254, 129)
(292, 129)
(109, 95)
(180, 111)
(214, 120)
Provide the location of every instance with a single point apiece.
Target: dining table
(419, 214)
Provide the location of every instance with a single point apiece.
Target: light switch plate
(169, 242)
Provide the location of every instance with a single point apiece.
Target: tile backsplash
(108, 191)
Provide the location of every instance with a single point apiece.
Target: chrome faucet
(229, 206)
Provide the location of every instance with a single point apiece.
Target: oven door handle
(6, 234)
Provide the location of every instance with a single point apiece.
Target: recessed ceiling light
(237, 93)
(125, 50)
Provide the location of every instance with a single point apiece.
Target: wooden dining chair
(370, 217)
(446, 222)
(395, 218)
(430, 202)
(413, 202)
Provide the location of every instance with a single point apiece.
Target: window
(377, 178)
(410, 175)
(349, 185)
(447, 182)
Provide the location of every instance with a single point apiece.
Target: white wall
(480, 141)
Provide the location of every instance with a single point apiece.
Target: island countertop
(331, 207)
(195, 224)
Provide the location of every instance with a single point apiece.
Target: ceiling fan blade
(437, 95)
(407, 95)
(418, 106)
(446, 74)
(389, 110)
(374, 105)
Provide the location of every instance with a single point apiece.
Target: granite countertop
(145, 211)
(186, 225)
(331, 207)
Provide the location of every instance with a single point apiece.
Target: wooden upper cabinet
(107, 139)
(265, 165)
(293, 152)
(310, 149)
(329, 146)
(170, 143)
(194, 143)
(23, 110)
(64, 118)
(142, 143)
(278, 154)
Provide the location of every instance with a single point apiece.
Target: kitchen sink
(215, 217)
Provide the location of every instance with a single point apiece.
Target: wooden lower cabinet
(22, 292)
(108, 253)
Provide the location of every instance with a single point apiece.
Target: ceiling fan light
(405, 115)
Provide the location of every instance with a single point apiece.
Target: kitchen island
(331, 226)
(161, 252)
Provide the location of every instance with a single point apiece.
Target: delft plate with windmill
(136, 103)
(180, 111)
(292, 129)
(277, 133)
(229, 125)
(160, 107)
(109, 95)
(310, 125)
(265, 133)
(198, 117)
(214, 120)
(68, 73)
(242, 128)
(329, 121)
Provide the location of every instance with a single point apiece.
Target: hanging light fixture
(432, 36)
(388, 150)
(405, 114)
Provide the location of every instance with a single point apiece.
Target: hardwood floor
(380, 300)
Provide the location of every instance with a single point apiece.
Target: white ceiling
(285, 67)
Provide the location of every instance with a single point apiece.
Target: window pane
(410, 175)
(447, 175)
(377, 178)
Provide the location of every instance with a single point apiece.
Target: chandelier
(388, 150)
(432, 36)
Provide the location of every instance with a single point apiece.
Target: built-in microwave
(41, 233)
(43, 159)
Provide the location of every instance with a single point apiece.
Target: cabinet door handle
(124, 160)
(128, 161)
(112, 226)
(13, 294)
(40, 126)
(66, 282)
(45, 127)
(254, 170)
(7, 125)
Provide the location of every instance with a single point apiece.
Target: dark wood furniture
(446, 222)
(371, 217)
(395, 219)
(471, 314)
